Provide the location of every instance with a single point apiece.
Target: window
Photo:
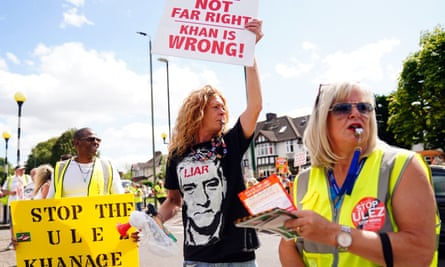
(289, 146)
(265, 149)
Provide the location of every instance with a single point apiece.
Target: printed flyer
(266, 195)
(269, 206)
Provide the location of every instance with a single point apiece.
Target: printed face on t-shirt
(204, 190)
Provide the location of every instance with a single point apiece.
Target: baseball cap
(18, 167)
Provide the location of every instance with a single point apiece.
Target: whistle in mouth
(358, 132)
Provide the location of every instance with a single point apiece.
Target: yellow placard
(77, 231)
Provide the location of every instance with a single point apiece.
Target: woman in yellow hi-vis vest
(362, 202)
(85, 174)
(160, 191)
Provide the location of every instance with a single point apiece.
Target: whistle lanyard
(353, 172)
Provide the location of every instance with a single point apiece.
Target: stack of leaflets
(269, 206)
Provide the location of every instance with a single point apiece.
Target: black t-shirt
(209, 185)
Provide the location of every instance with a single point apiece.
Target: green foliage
(63, 145)
(2, 171)
(417, 113)
(40, 154)
(382, 115)
(163, 162)
(127, 175)
(50, 151)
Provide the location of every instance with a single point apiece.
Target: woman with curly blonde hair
(204, 176)
(191, 116)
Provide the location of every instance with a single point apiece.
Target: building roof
(279, 129)
(148, 166)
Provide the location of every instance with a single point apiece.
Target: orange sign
(281, 165)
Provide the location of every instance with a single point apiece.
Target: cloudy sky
(80, 63)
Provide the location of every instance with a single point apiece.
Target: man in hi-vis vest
(85, 174)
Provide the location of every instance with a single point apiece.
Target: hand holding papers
(270, 206)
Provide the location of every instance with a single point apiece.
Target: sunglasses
(346, 108)
(91, 139)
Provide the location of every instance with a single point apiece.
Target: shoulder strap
(300, 187)
(108, 175)
(59, 173)
(392, 159)
(384, 191)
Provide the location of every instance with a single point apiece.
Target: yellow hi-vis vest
(4, 199)
(101, 178)
(160, 191)
(369, 207)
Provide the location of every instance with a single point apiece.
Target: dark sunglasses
(91, 139)
(346, 108)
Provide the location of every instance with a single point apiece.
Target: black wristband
(387, 249)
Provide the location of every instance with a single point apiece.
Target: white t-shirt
(28, 190)
(76, 180)
(16, 185)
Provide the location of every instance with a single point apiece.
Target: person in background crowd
(285, 182)
(249, 179)
(42, 181)
(362, 202)
(204, 173)
(160, 191)
(29, 188)
(82, 174)
(13, 187)
(136, 190)
(261, 176)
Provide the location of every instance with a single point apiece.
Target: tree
(382, 118)
(63, 145)
(40, 154)
(49, 152)
(3, 175)
(416, 109)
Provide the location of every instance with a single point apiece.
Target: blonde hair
(316, 138)
(43, 175)
(189, 119)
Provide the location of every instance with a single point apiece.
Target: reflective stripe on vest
(391, 164)
(101, 178)
(4, 199)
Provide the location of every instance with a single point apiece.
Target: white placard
(207, 29)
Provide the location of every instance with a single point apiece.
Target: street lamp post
(168, 97)
(164, 136)
(152, 111)
(20, 99)
(6, 136)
